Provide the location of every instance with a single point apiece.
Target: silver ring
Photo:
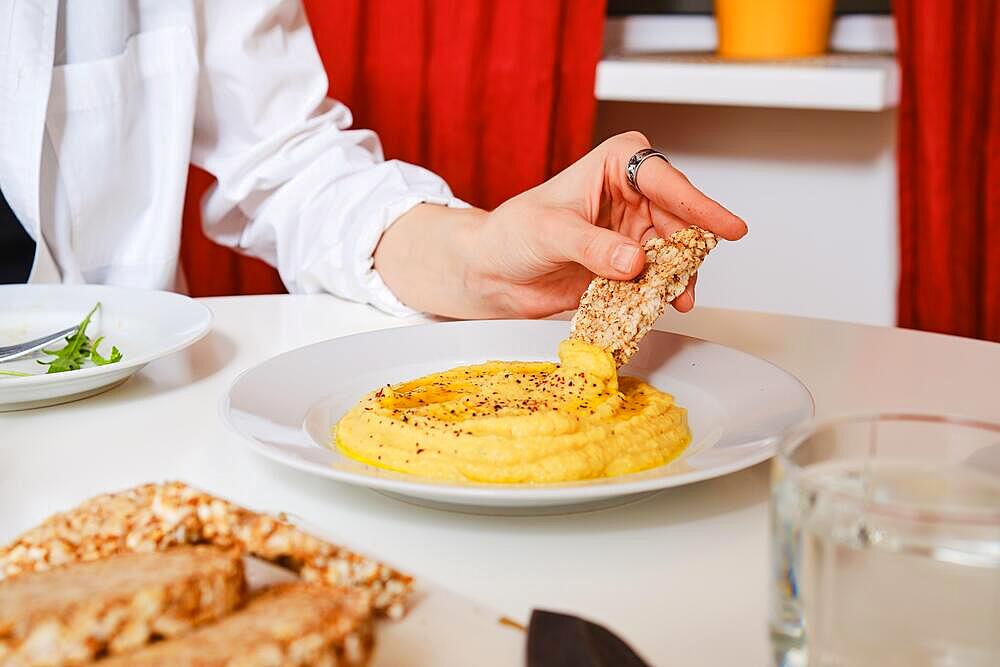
(634, 162)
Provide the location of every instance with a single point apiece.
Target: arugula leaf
(96, 357)
(77, 350)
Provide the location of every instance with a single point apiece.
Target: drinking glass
(886, 543)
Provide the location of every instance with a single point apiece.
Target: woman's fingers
(664, 222)
(603, 251)
(685, 301)
(651, 222)
(669, 189)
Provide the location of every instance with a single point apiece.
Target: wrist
(458, 242)
(484, 245)
(428, 259)
(486, 292)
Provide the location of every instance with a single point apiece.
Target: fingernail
(623, 257)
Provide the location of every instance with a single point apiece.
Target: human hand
(536, 253)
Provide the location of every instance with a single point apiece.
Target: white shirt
(104, 103)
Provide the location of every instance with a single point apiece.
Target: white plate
(143, 324)
(285, 408)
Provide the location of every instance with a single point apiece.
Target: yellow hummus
(518, 422)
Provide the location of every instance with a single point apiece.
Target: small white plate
(285, 408)
(143, 324)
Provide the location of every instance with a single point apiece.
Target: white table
(682, 576)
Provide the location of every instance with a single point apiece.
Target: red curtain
(493, 96)
(949, 166)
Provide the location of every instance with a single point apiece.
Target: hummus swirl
(506, 422)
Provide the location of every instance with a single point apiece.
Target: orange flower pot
(767, 29)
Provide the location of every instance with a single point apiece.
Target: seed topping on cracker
(616, 314)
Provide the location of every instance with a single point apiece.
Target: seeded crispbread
(298, 624)
(616, 314)
(154, 517)
(75, 613)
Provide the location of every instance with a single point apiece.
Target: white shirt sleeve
(296, 187)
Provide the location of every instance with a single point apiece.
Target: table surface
(682, 576)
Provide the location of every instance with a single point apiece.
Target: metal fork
(21, 349)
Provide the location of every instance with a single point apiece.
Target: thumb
(604, 252)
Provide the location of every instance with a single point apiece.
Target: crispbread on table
(72, 614)
(304, 625)
(156, 516)
(615, 315)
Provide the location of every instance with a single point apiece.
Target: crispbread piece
(304, 625)
(156, 516)
(72, 614)
(615, 315)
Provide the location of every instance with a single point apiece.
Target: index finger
(668, 188)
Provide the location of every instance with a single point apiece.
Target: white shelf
(839, 82)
